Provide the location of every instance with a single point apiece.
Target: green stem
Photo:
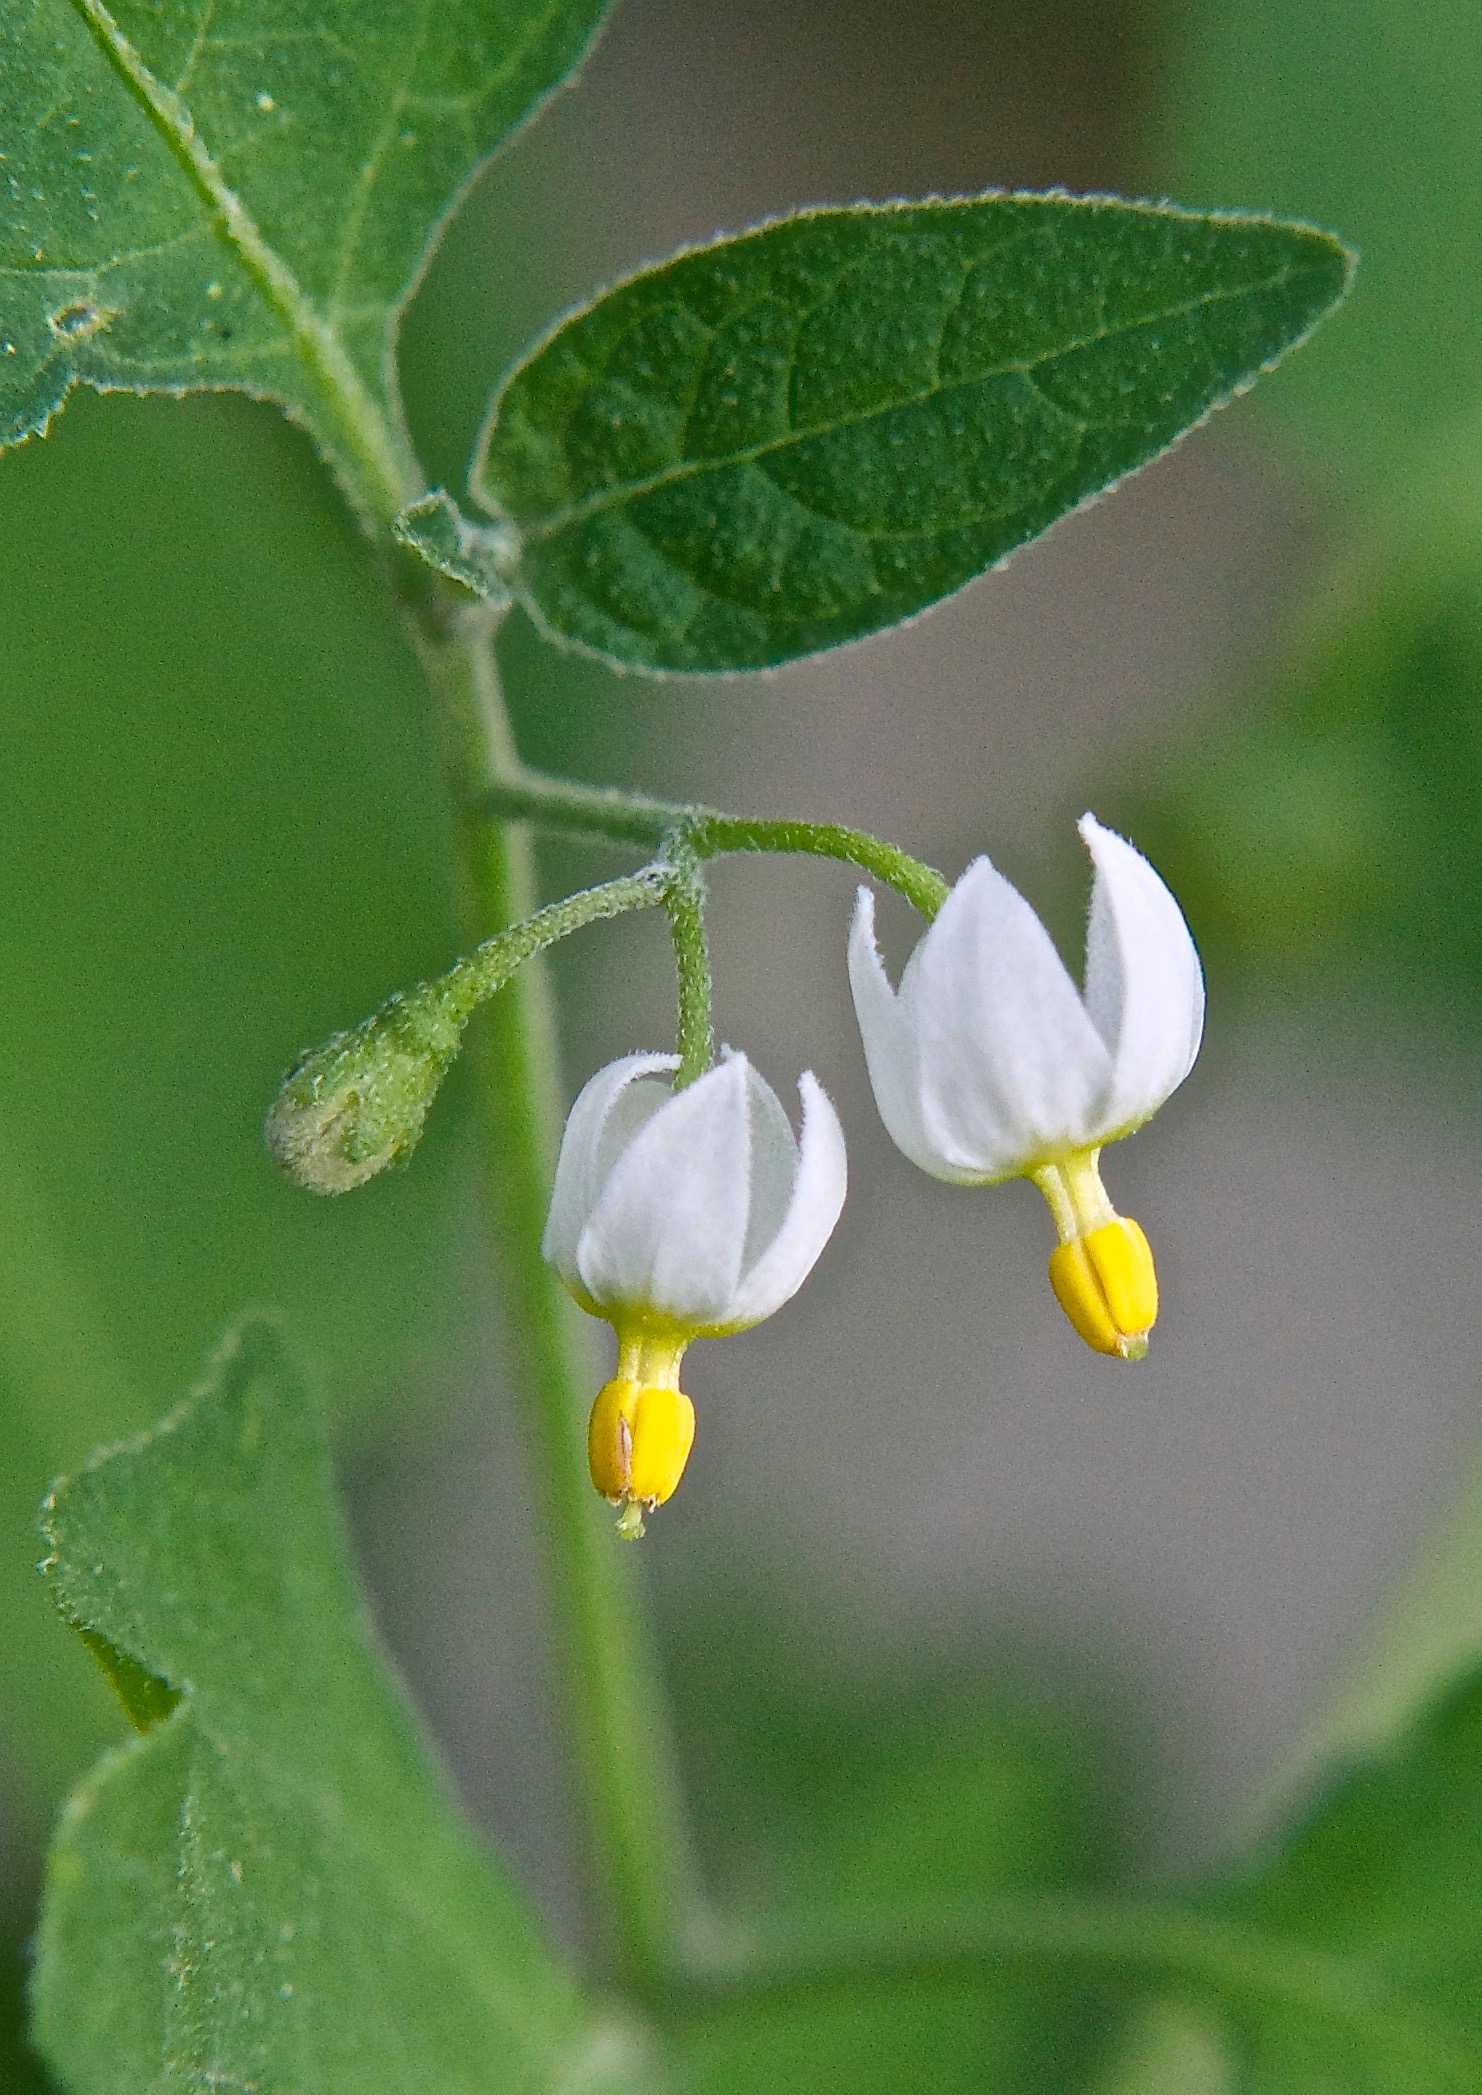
(629, 1791)
(1145, 1944)
(684, 899)
(634, 818)
(490, 967)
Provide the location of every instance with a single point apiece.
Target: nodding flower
(988, 1063)
(678, 1215)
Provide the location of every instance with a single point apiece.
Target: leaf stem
(633, 818)
(629, 1790)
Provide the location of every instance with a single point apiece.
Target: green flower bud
(355, 1105)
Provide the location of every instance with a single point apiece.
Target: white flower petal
(1012, 1069)
(887, 1030)
(1144, 986)
(774, 1167)
(602, 1119)
(668, 1227)
(817, 1197)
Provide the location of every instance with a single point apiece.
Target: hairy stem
(489, 968)
(684, 899)
(634, 818)
(629, 1791)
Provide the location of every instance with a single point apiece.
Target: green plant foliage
(803, 435)
(268, 1889)
(872, 1810)
(1362, 115)
(211, 195)
(196, 881)
(1376, 1910)
(1334, 827)
(473, 554)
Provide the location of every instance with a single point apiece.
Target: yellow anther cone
(639, 1440)
(1106, 1283)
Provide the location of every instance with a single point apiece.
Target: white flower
(988, 1063)
(679, 1215)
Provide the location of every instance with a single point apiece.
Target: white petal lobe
(583, 1162)
(1012, 1069)
(888, 1034)
(774, 1168)
(667, 1231)
(1144, 985)
(817, 1198)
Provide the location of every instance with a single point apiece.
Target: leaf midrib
(386, 479)
(595, 504)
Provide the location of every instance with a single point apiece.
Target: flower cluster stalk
(634, 818)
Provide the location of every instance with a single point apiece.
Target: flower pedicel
(988, 1063)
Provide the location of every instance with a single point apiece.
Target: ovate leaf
(240, 193)
(794, 438)
(268, 1889)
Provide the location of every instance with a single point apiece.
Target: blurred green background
(222, 836)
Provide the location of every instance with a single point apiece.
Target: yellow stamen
(641, 1430)
(1102, 1269)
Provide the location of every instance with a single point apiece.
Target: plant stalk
(704, 832)
(684, 899)
(630, 1796)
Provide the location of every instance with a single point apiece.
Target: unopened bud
(638, 1442)
(1106, 1283)
(356, 1105)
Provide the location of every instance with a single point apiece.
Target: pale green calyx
(358, 1103)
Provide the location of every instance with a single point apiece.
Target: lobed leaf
(269, 1889)
(791, 439)
(242, 193)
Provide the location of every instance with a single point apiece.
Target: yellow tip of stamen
(1106, 1283)
(638, 1442)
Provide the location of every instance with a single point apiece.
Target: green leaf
(242, 193)
(800, 436)
(474, 554)
(1376, 1909)
(269, 1888)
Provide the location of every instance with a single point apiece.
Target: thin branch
(634, 818)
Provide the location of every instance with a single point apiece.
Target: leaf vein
(685, 469)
